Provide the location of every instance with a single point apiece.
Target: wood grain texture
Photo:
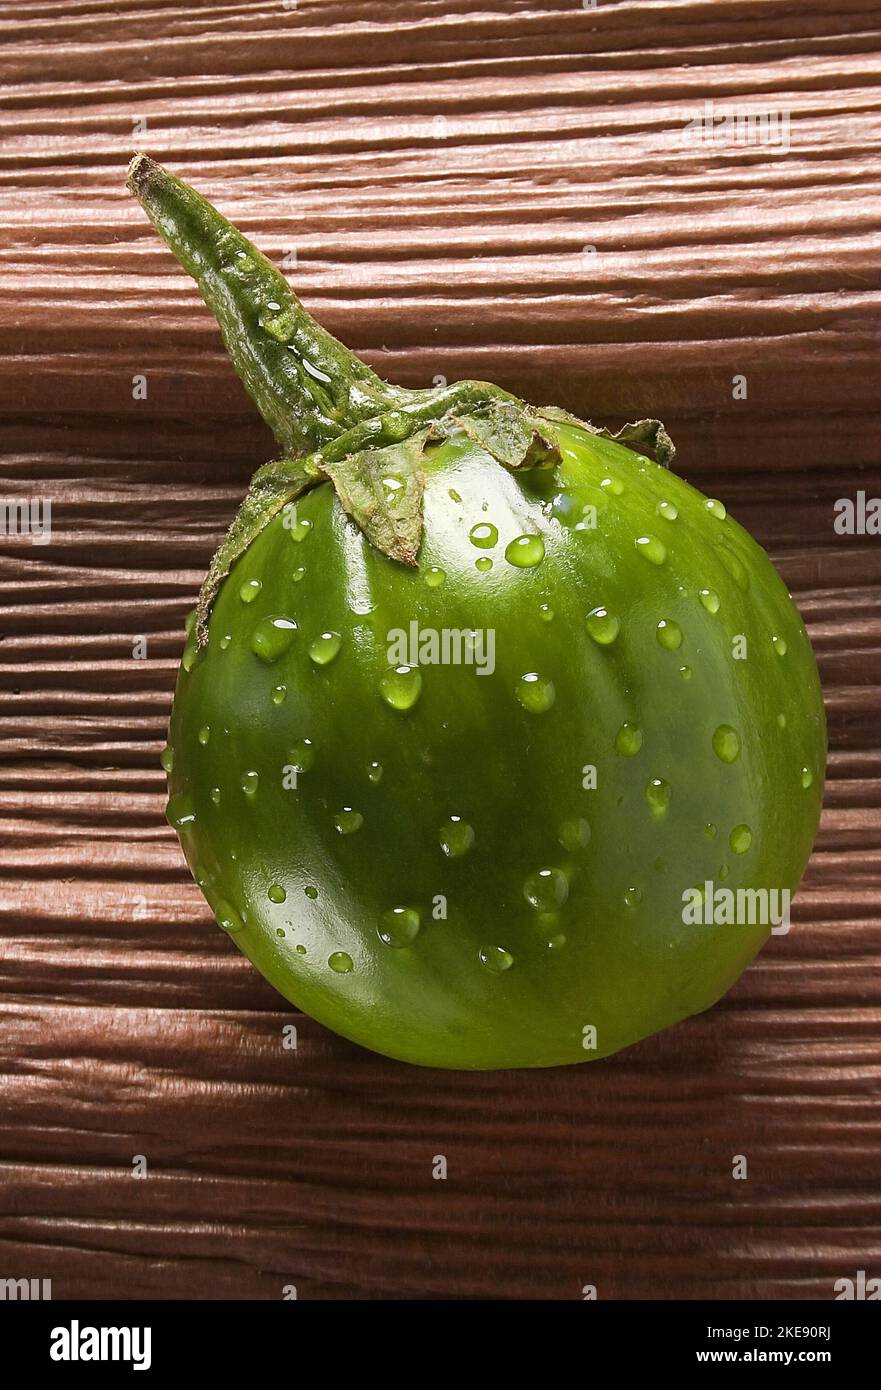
(438, 168)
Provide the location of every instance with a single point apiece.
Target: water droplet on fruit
(311, 893)
(190, 657)
(204, 734)
(525, 552)
(716, 508)
(226, 916)
(628, 740)
(456, 837)
(454, 495)
(734, 566)
(272, 637)
(669, 635)
(574, 834)
(613, 485)
(710, 830)
(779, 645)
(686, 672)
(300, 530)
(348, 821)
(633, 897)
(556, 943)
(180, 812)
(651, 549)
(166, 758)
(483, 564)
(302, 755)
(401, 687)
(781, 721)
(341, 962)
(275, 893)
(394, 487)
(435, 577)
(710, 600)
(667, 510)
(399, 926)
(250, 782)
(279, 694)
(535, 692)
(374, 772)
(484, 535)
(807, 778)
(726, 743)
(740, 839)
(657, 794)
(301, 950)
(546, 889)
(603, 626)
(249, 590)
(324, 648)
(215, 795)
(546, 612)
(495, 959)
(298, 574)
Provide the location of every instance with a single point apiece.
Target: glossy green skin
(468, 748)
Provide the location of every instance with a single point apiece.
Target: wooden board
(437, 171)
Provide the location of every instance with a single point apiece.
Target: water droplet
(807, 778)
(686, 672)
(204, 734)
(300, 530)
(348, 821)
(272, 637)
(613, 485)
(225, 641)
(710, 830)
(484, 535)
(324, 648)
(298, 574)
(435, 577)
(454, 495)
(781, 721)
(190, 657)
(574, 834)
(779, 645)
(716, 508)
(374, 772)
(483, 564)
(249, 590)
(651, 549)
(669, 635)
(633, 897)
(166, 758)
(723, 872)
(734, 566)
(341, 962)
(657, 794)
(226, 916)
(399, 926)
(740, 839)
(535, 693)
(250, 782)
(180, 811)
(301, 950)
(546, 613)
(401, 687)
(395, 488)
(279, 694)
(275, 893)
(311, 893)
(495, 959)
(302, 755)
(667, 510)
(726, 743)
(603, 626)
(628, 740)
(556, 943)
(546, 889)
(710, 600)
(456, 837)
(215, 795)
(525, 552)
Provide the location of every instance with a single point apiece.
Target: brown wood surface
(130, 1024)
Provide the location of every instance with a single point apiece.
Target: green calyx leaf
(646, 434)
(381, 490)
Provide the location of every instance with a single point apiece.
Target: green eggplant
(494, 743)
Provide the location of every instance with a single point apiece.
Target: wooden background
(437, 167)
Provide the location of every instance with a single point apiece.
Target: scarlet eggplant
(494, 744)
